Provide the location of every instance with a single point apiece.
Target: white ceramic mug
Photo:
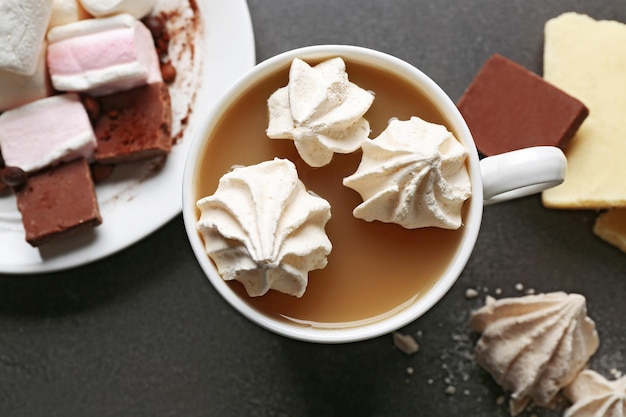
(494, 179)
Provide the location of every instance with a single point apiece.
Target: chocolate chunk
(91, 106)
(12, 176)
(168, 72)
(156, 25)
(58, 201)
(134, 124)
(508, 107)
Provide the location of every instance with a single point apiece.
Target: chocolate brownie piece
(58, 201)
(508, 107)
(134, 124)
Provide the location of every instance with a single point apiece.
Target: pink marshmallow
(102, 56)
(45, 132)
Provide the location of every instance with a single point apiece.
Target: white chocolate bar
(587, 59)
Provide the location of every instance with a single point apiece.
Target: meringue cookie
(534, 345)
(320, 110)
(413, 174)
(262, 228)
(593, 396)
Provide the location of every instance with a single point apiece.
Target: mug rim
(424, 302)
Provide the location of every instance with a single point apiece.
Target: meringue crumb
(530, 291)
(406, 343)
(519, 287)
(616, 373)
(450, 390)
(410, 370)
(498, 291)
(500, 400)
(471, 293)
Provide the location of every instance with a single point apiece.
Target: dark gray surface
(142, 333)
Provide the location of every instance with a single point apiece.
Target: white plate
(136, 201)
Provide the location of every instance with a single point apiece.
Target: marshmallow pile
(56, 57)
(29, 28)
(55, 51)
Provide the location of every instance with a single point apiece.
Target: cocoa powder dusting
(183, 27)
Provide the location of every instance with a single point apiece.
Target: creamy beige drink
(375, 268)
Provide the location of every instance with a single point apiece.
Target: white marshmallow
(22, 30)
(138, 8)
(66, 11)
(19, 89)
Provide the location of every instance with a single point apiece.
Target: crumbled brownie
(134, 124)
(58, 201)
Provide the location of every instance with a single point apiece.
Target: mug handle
(522, 172)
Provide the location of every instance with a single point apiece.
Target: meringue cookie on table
(534, 345)
(263, 228)
(593, 395)
(414, 175)
(321, 110)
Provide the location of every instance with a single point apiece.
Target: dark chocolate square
(508, 107)
(58, 201)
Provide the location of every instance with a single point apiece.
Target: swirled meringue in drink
(534, 345)
(413, 174)
(262, 228)
(321, 110)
